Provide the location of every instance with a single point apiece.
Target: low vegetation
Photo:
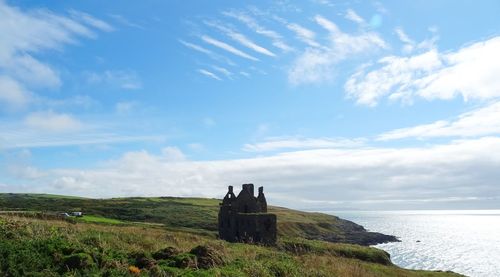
(169, 236)
(30, 246)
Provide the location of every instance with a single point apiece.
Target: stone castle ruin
(244, 218)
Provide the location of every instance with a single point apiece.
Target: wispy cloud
(12, 95)
(92, 21)
(478, 122)
(124, 21)
(246, 74)
(275, 144)
(227, 47)
(209, 74)
(468, 72)
(25, 34)
(203, 50)
(327, 24)
(353, 16)
(409, 44)
(240, 38)
(51, 129)
(50, 121)
(303, 34)
(223, 70)
(316, 65)
(123, 79)
(250, 22)
(196, 47)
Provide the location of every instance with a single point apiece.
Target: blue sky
(328, 104)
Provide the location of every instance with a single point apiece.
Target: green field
(37, 242)
(99, 219)
(196, 214)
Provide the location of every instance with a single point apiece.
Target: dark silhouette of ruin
(244, 218)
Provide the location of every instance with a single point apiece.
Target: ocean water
(463, 241)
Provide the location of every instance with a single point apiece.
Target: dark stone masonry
(244, 218)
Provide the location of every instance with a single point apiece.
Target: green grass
(98, 219)
(48, 247)
(195, 214)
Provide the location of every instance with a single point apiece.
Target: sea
(462, 241)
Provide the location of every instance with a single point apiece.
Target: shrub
(208, 256)
(78, 261)
(166, 253)
(142, 260)
(185, 260)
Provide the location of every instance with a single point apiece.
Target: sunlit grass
(60, 247)
(98, 219)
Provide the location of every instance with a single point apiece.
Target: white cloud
(478, 122)
(250, 44)
(327, 24)
(12, 95)
(26, 172)
(469, 72)
(209, 74)
(196, 47)
(173, 154)
(324, 2)
(353, 16)
(36, 30)
(18, 136)
(32, 72)
(403, 36)
(52, 122)
(124, 21)
(246, 74)
(240, 38)
(124, 79)
(277, 39)
(227, 47)
(23, 35)
(361, 177)
(409, 45)
(92, 21)
(209, 53)
(316, 65)
(303, 34)
(223, 70)
(396, 72)
(275, 144)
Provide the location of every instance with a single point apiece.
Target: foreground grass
(48, 247)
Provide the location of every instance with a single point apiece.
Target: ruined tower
(244, 218)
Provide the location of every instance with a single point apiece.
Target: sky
(370, 105)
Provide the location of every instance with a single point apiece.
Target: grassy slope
(35, 247)
(192, 213)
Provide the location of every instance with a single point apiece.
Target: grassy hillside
(193, 213)
(31, 246)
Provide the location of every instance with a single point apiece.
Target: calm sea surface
(465, 241)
